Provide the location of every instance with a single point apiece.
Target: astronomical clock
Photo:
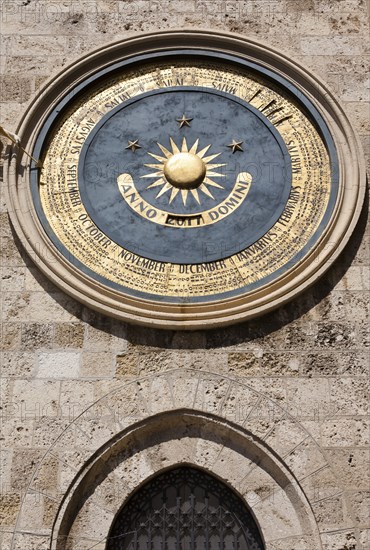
(185, 180)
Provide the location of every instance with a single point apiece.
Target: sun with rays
(184, 171)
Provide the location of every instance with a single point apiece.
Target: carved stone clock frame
(217, 308)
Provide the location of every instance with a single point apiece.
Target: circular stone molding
(186, 180)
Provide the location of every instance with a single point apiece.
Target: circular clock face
(185, 188)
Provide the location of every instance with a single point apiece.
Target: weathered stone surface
(59, 365)
(98, 365)
(353, 465)
(36, 336)
(68, 335)
(9, 508)
(19, 364)
(23, 467)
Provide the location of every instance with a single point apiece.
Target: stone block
(5, 467)
(260, 425)
(21, 44)
(15, 88)
(18, 431)
(322, 484)
(320, 364)
(305, 459)
(286, 435)
(308, 398)
(24, 466)
(12, 278)
(36, 398)
(332, 308)
(126, 365)
(183, 387)
(10, 336)
(364, 538)
(10, 504)
(39, 307)
(75, 398)
(355, 278)
(37, 64)
(49, 512)
(5, 225)
(6, 540)
(32, 512)
(99, 338)
(307, 542)
(45, 479)
(357, 307)
(240, 403)
(230, 466)
(137, 465)
(245, 363)
(360, 505)
(95, 530)
(172, 452)
(155, 392)
(336, 45)
(354, 363)
(256, 485)
(19, 364)
(125, 406)
(274, 389)
(338, 335)
(29, 541)
(362, 257)
(14, 305)
(331, 513)
(48, 430)
(211, 394)
(9, 114)
(66, 475)
(282, 364)
(345, 539)
(59, 365)
(345, 432)
(97, 364)
(93, 433)
(353, 465)
(285, 524)
(36, 336)
(297, 336)
(350, 395)
(68, 335)
(207, 450)
(104, 334)
(53, 307)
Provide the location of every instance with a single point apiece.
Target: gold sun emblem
(184, 171)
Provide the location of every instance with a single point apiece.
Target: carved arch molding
(177, 418)
(165, 441)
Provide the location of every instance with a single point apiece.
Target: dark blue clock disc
(216, 120)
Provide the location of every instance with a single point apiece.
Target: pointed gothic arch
(184, 507)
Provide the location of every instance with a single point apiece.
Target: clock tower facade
(185, 276)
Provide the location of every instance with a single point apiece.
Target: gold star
(184, 121)
(133, 145)
(236, 146)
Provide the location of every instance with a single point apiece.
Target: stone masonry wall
(309, 357)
